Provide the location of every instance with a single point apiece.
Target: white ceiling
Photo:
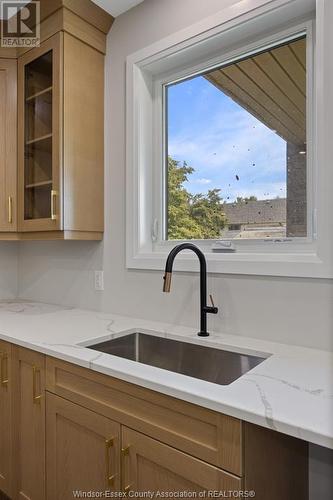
(116, 7)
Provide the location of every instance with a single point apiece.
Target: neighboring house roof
(256, 212)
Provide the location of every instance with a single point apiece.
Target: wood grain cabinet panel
(8, 145)
(52, 127)
(61, 140)
(83, 147)
(5, 419)
(40, 137)
(276, 465)
(99, 433)
(29, 424)
(208, 435)
(83, 450)
(149, 465)
(172, 442)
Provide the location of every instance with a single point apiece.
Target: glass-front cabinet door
(8, 145)
(39, 80)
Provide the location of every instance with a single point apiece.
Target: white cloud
(202, 181)
(232, 143)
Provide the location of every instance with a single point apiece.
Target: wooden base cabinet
(82, 450)
(29, 424)
(68, 431)
(170, 445)
(5, 419)
(87, 452)
(149, 465)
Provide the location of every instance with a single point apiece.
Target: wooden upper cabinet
(52, 127)
(8, 144)
(83, 132)
(60, 138)
(5, 419)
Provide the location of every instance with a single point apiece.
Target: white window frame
(251, 24)
(159, 146)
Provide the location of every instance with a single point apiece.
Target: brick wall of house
(296, 190)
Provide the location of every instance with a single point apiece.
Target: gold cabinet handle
(109, 476)
(125, 452)
(4, 369)
(35, 397)
(54, 195)
(10, 209)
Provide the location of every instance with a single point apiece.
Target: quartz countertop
(290, 392)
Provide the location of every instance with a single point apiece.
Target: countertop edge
(233, 411)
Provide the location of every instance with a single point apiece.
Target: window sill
(307, 265)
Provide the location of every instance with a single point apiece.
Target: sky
(221, 140)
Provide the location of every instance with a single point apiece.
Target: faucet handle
(211, 300)
(211, 309)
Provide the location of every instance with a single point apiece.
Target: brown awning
(272, 87)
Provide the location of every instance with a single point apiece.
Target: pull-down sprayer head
(167, 281)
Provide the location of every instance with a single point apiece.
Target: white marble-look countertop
(291, 391)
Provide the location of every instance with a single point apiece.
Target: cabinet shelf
(37, 94)
(38, 184)
(38, 139)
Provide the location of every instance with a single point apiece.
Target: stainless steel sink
(198, 361)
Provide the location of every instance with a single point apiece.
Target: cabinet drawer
(149, 465)
(205, 434)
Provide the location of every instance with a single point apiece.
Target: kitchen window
(226, 128)
(236, 148)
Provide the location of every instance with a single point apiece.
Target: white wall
(8, 270)
(288, 310)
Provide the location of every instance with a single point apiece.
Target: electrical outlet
(99, 280)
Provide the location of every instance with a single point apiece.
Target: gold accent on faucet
(167, 282)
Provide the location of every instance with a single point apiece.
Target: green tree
(207, 211)
(180, 223)
(240, 199)
(191, 216)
